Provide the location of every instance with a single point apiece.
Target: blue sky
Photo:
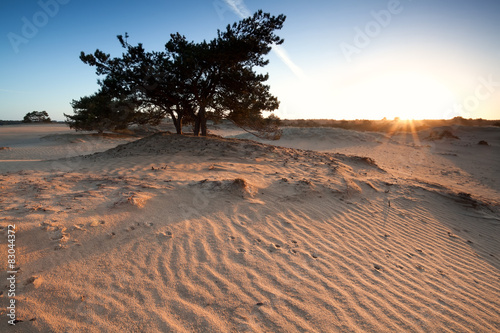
(354, 59)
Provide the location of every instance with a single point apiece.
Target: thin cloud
(283, 55)
(240, 9)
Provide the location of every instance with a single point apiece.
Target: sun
(406, 95)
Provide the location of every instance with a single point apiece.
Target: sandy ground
(326, 230)
(26, 143)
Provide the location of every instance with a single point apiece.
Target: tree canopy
(193, 81)
(37, 117)
(101, 112)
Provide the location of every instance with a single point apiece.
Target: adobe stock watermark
(485, 88)
(31, 26)
(372, 29)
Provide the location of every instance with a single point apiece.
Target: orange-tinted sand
(184, 234)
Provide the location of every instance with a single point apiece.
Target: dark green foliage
(193, 82)
(100, 112)
(37, 117)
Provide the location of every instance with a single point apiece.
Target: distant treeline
(10, 122)
(385, 125)
(33, 117)
(20, 122)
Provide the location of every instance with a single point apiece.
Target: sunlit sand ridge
(177, 233)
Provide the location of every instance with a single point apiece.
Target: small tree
(197, 81)
(37, 117)
(100, 112)
(218, 77)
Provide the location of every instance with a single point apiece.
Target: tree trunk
(178, 128)
(177, 123)
(204, 127)
(203, 121)
(196, 129)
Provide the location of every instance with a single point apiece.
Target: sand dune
(459, 163)
(182, 234)
(30, 143)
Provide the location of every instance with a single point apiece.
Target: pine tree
(197, 81)
(100, 112)
(37, 117)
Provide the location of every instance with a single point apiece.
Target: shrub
(37, 117)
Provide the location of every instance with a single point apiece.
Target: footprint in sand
(166, 235)
(96, 223)
(36, 281)
(79, 227)
(59, 247)
(274, 247)
(48, 226)
(61, 236)
(132, 227)
(420, 268)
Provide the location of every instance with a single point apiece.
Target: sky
(351, 59)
